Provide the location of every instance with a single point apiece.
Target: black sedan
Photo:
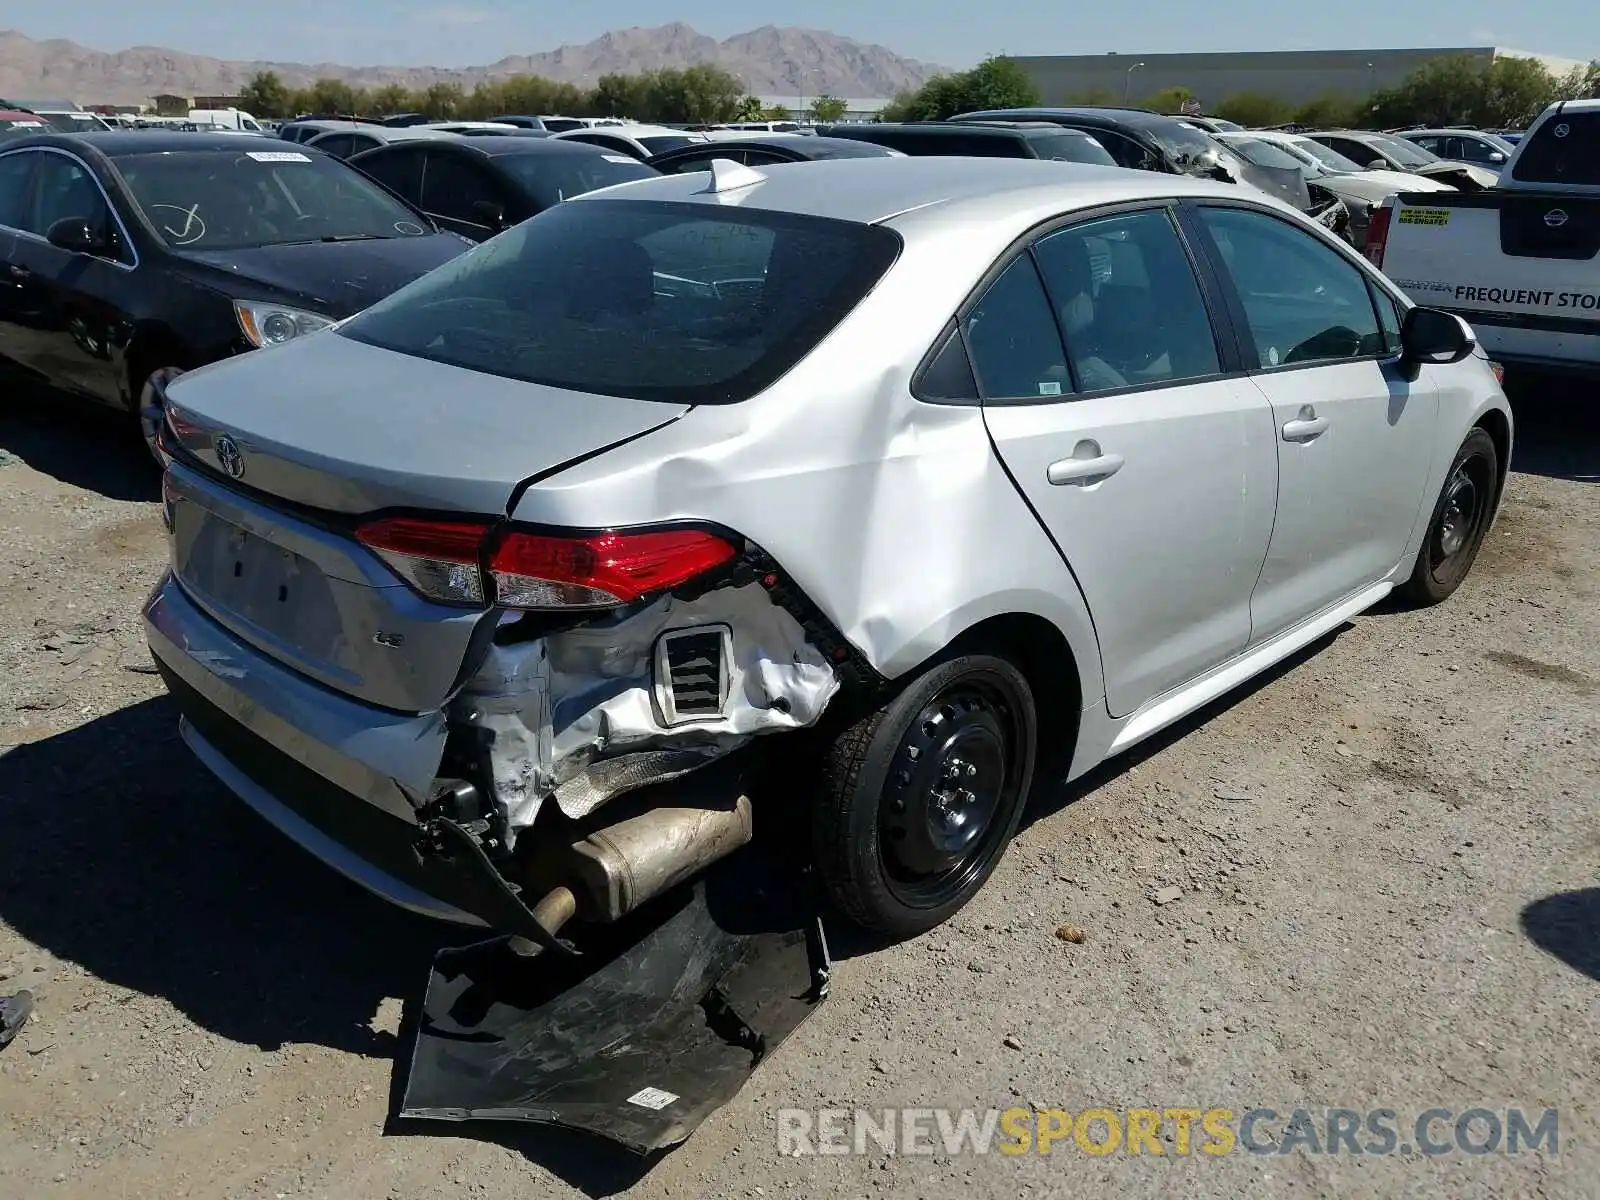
(127, 258)
(757, 152)
(477, 187)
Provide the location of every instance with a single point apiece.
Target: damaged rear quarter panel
(576, 717)
(892, 516)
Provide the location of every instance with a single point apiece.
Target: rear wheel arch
(1038, 649)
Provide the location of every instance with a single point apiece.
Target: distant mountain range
(770, 61)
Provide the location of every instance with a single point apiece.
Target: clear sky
(951, 32)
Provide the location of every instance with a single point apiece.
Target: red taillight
(441, 559)
(1499, 372)
(542, 571)
(1378, 234)
(438, 558)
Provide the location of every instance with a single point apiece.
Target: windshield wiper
(336, 237)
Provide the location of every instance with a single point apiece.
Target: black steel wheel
(922, 797)
(1460, 519)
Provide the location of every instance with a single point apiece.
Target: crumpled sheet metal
(574, 718)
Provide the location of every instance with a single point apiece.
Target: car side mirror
(76, 235)
(1377, 164)
(492, 214)
(1497, 157)
(1428, 335)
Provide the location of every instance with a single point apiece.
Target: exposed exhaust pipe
(622, 866)
(614, 870)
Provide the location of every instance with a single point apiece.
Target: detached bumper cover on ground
(643, 1036)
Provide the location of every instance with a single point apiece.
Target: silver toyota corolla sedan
(940, 468)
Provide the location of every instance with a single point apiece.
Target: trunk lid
(322, 430)
(337, 425)
(338, 278)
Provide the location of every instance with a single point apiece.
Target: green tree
(749, 109)
(1169, 100)
(442, 100)
(330, 96)
(1515, 91)
(710, 94)
(1581, 83)
(900, 108)
(1332, 110)
(266, 95)
(391, 98)
(1254, 109)
(825, 109)
(993, 83)
(620, 96)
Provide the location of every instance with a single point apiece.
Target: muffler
(612, 871)
(622, 866)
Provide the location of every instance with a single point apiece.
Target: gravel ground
(1387, 855)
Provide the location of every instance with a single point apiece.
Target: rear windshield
(76, 122)
(1407, 154)
(1064, 147)
(1265, 154)
(271, 196)
(687, 303)
(1564, 149)
(1327, 156)
(661, 143)
(552, 178)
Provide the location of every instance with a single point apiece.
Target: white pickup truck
(1520, 262)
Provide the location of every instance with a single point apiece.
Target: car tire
(149, 407)
(1460, 518)
(920, 798)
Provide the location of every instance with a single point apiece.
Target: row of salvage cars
(720, 548)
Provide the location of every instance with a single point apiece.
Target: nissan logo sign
(1555, 218)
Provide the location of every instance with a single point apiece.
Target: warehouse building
(1293, 76)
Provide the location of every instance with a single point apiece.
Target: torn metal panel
(589, 713)
(693, 994)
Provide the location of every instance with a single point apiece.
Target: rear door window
(1013, 340)
(686, 303)
(452, 186)
(1128, 302)
(1063, 147)
(1126, 152)
(1564, 149)
(337, 144)
(399, 170)
(1360, 152)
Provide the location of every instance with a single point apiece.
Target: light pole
(805, 75)
(1372, 90)
(1127, 81)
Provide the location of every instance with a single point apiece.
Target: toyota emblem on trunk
(229, 457)
(1555, 218)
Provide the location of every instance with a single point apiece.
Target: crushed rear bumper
(322, 768)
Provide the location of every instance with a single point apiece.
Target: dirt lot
(1388, 854)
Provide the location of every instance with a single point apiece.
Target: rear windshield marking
(278, 156)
